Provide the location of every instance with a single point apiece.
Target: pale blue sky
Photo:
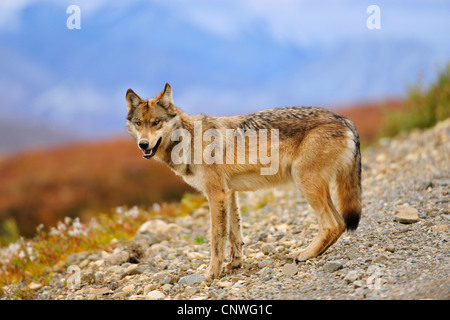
(221, 57)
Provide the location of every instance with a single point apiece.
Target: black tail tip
(352, 221)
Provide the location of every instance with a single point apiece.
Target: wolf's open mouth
(151, 152)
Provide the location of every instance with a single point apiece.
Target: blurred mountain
(17, 135)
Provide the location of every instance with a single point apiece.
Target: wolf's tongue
(148, 154)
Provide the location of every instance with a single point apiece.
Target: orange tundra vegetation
(369, 118)
(44, 186)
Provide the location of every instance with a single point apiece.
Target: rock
(224, 284)
(267, 248)
(189, 291)
(155, 295)
(439, 228)
(390, 248)
(289, 269)
(156, 226)
(150, 239)
(194, 255)
(351, 276)
(34, 285)
(150, 287)
(192, 279)
(352, 254)
(381, 259)
(128, 288)
(167, 280)
(117, 257)
(100, 291)
(407, 214)
(84, 264)
(131, 270)
(99, 263)
(264, 263)
(261, 236)
(265, 271)
(332, 266)
(119, 295)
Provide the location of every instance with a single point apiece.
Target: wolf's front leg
(218, 204)
(235, 236)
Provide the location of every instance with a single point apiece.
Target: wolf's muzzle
(148, 153)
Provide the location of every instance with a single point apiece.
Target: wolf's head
(148, 120)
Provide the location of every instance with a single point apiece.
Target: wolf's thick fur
(316, 147)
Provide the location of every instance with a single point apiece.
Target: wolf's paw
(301, 255)
(213, 273)
(235, 263)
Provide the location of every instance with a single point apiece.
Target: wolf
(316, 149)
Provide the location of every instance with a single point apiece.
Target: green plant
(199, 240)
(422, 108)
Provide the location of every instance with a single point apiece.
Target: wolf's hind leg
(331, 224)
(235, 235)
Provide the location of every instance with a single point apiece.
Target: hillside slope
(44, 186)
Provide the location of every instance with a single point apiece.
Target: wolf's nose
(143, 145)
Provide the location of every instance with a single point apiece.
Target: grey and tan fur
(316, 148)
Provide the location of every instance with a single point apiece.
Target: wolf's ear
(165, 97)
(133, 100)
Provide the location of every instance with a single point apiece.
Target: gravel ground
(399, 251)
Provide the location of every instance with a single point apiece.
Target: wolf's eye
(156, 122)
(138, 123)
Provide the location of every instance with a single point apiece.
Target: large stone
(131, 270)
(332, 266)
(155, 295)
(351, 276)
(407, 214)
(159, 227)
(439, 228)
(118, 257)
(192, 279)
(289, 269)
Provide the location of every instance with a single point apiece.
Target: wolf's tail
(348, 182)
